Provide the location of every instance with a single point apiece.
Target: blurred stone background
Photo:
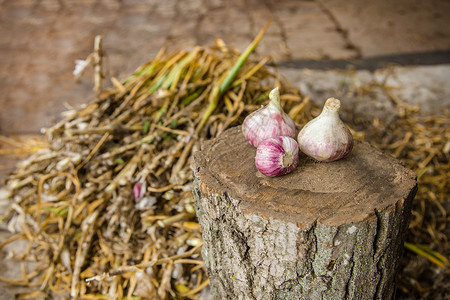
(41, 39)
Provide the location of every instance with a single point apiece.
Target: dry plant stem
(90, 131)
(164, 287)
(146, 139)
(171, 220)
(181, 161)
(98, 65)
(119, 86)
(189, 261)
(113, 288)
(236, 109)
(198, 289)
(250, 73)
(133, 283)
(48, 176)
(88, 231)
(151, 263)
(11, 239)
(91, 154)
(165, 188)
(295, 111)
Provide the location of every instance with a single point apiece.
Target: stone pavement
(41, 39)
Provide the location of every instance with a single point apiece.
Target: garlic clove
(326, 138)
(277, 156)
(269, 121)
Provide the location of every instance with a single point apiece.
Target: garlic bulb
(277, 156)
(326, 138)
(269, 121)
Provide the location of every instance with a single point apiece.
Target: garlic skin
(326, 138)
(269, 121)
(277, 156)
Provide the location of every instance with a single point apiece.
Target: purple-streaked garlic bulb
(326, 138)
(277, 156)
(269, 121)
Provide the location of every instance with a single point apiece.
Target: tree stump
(325, 231)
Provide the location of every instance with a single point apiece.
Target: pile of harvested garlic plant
(273, 132)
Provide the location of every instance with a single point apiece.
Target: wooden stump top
(333, 193)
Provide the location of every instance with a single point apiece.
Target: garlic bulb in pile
(269, 121)
(277, 156)
(326, 138)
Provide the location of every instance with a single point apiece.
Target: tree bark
(325, 231)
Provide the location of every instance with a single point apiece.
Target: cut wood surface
(325, 231)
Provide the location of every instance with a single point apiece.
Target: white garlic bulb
(269, 121)
(326, 138)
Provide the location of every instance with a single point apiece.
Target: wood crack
(376, 256)
(283, 34)
(348, 285)
(340, 29)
